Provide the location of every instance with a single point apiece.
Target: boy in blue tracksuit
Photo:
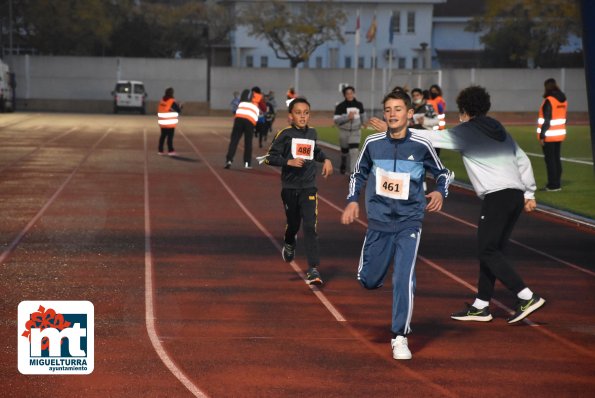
(392, 165)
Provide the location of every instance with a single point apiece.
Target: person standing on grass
(168, 111)
(502, 176)
(349, 117)
(392, 166)
(551, 131)
(295, 150)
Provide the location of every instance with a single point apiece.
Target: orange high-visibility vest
(557, 130)
(167, 117)
(441, 116)
(249, 111)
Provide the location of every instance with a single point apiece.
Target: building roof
(460, 8)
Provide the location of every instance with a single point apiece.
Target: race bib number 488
(302, 148)
(392, 185)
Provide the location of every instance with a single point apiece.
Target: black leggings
(169, 134)
(499, 213)
(241, 127)
(553, 164)
(302, 204)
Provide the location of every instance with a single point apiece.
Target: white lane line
(319, 294)
(38, 148)
(149, 298)
(49, 202)
(568, 264)
(537, 155)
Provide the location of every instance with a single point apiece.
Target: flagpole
(372, 97)
(390, 49)
(356, 52)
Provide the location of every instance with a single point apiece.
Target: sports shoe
(313, 277)
(160, 153)
(553, 189)
(172, 153)
(525, 307)
(400, 348)
(288, 252)
(247, 165)
(228, 164)
(473, 314)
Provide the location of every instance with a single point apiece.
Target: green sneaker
(525, 307)
(473, 314)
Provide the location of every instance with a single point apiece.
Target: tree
(294, 31)
(526, 32)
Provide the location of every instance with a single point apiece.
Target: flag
(390, 28)
(357, 30)
(371, 35)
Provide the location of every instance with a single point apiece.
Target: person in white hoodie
(502, 176)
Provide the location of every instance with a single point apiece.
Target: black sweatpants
(169, 134)
(302, 205)
(241, 127)
(553, 164)
(499, 213)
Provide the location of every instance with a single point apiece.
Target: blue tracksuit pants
(380, 250)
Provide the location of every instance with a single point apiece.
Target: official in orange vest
(439, 105)
(244, 124)
(168, 111)
(551, 131)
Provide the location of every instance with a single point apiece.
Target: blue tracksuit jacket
(412, 154)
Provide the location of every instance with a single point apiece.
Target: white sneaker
(400, 348)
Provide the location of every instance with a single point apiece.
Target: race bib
(355, 112)
(392, 185)
(302, 148)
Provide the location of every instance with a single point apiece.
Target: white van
(129, 95)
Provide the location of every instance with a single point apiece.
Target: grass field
(578, 179)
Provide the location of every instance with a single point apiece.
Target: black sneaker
(288, 252)
(473, 314)
(228, 164)
(525, 307)
(313, 277)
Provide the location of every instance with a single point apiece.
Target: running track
(181, 261)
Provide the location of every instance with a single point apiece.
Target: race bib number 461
(392, 185)
(302, 148)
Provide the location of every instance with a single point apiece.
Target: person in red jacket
(168, 111)
(551, 131)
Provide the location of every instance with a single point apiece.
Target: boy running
(394, 165)
(295, 150)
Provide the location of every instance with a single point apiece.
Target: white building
(411, 46)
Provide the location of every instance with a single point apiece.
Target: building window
(319, 62)
(402, 62)
(333, 55)
(373, 62)
(249, 61)
(396, 22)
(306, 63)
(415, 63)
(360, 62)
(347, 62)
(264, 62)
(411, 22)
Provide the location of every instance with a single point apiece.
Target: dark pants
(553, 164)
(262, 129)
(499, 213)
(241, 127)
(302, 205)
(169, 134)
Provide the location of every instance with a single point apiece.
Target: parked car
(129, 95)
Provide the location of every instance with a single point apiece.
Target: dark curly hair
(474, 100)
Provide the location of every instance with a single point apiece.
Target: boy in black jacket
(295, 150)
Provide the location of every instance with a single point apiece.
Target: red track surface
(230, 318)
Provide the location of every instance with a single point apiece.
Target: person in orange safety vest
(244, 124)
(168, 111)
(551, 131)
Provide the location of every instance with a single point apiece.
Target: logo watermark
(56, 337)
